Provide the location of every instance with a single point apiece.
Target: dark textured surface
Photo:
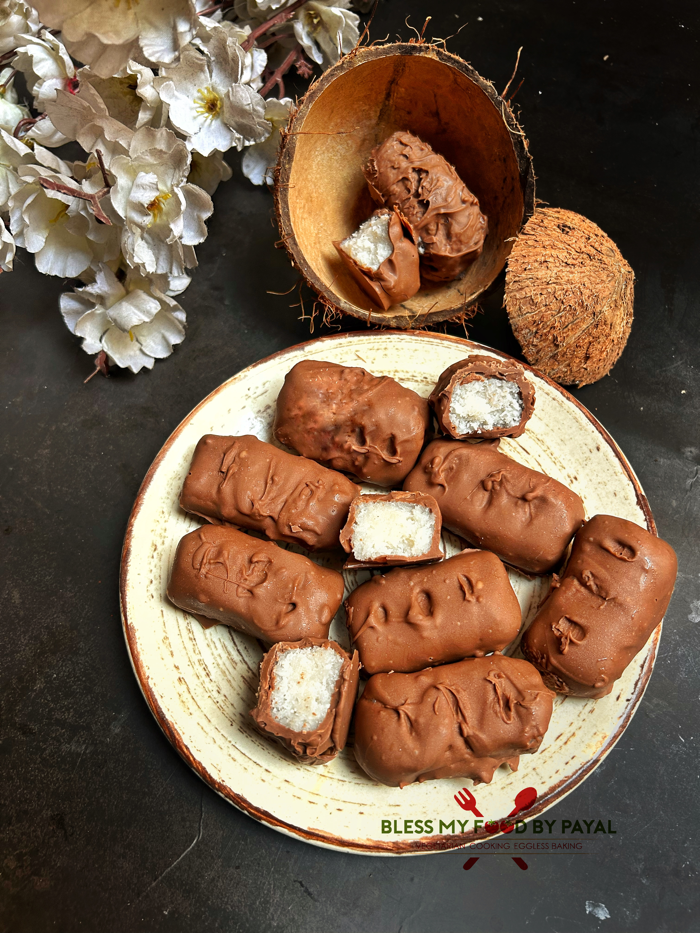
(102, 825)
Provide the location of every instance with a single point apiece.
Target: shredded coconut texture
(482, 405)
(392, 529)
(370, 244)
(305, 679)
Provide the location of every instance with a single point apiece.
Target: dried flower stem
(50, 185)
(101, 366)
(8, 79)
(26, 123)
(295, 57)
(260, 30)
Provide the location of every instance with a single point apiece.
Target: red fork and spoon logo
(523, 801)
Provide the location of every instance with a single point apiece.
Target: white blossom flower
(10, 111)
(7, 248)
(325, 31)
(132, 321)
(207, 102)
(57, 228)
(259, 161)
(208, 171)
(163, 215)
(83, 116)
(105, 34)
(16, 20)
(130, 96)
(46, 67)
(13, 153)
(254, 60)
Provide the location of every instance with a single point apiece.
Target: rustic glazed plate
(200, 684)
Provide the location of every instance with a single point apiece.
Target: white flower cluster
(155, 93)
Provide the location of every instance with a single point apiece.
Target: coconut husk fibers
(321, 194)
(569, 296)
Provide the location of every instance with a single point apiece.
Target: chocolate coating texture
(405, 173)
(615, 591)
(413, 618)
(253, 586)
(458, 720)
(398, 277)
(322, 744)
(475, 369)
(252, 484)
(496, 503)
(391, 560)
(350, 420)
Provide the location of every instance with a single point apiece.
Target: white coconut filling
(392, 529)
(482, 405)
(370, 244)
(305, 679)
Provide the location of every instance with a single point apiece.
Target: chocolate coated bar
(348, 419)
(458, 720)
(615, 591)
(253, 586)
(495, 502)
(413, 618)
(255, 485)
(321, 744)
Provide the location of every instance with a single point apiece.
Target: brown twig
(517, 62)
(260, 30)
(101, 366)
(224, 5)
(295, 57)
(26, 122)
(7, 56)
(101, 161)
(50, 185)
(8, 79)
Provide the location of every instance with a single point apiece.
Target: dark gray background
(103, 827)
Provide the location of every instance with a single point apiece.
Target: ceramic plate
(200, 684)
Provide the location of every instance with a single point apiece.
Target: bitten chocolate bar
(496, 503)
(385, 530)
(458, 720)
(387, 281)
(253, 586)
(417, 617)
(615, 591)
(350, 420)
(483, 397)
(252, 484)
(306, 697)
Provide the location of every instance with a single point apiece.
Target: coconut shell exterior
(569, 296)
(321, 195)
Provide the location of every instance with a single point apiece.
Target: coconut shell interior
(322, 194)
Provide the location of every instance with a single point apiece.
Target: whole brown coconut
(569, 296)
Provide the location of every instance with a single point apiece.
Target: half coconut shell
(321, 194)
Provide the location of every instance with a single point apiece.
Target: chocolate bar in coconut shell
(321, 194)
